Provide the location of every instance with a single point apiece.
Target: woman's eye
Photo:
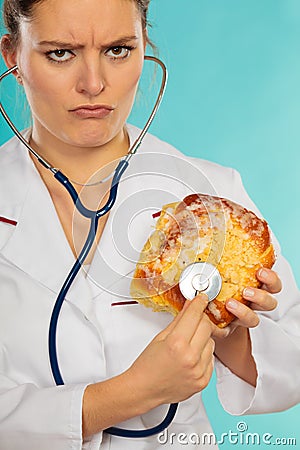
(119, 52)
(60, 55)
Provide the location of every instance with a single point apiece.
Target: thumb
(204, 300)
(175, 320)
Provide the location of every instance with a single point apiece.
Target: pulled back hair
(16, 10)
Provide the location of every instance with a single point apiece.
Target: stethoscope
(198, 277)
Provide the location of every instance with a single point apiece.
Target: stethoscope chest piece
(200, 277)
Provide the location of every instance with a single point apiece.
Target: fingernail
(232, 304)
(202, 296)
(226, 332)
(263, 274)
(248, 293)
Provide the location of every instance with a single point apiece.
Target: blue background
(233, 97)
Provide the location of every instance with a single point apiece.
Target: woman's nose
(91, 80)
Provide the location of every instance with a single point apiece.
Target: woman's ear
(9, 54)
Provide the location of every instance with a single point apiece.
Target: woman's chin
(91, 138)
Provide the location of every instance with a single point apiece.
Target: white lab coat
(95, 339)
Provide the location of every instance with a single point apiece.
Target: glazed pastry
(207, 229)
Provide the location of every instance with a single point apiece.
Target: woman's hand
(179, 361)
(176, 364)
(233, 344)
(261, 300)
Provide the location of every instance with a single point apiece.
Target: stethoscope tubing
(52, 344)
(121, 432)
(94, 217)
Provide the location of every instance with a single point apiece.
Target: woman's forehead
(83, 20)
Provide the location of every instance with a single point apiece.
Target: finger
(206, 377)
(202, 335)
(191, 317)
(207, 356)
(260, 299)
(200, 361)
(206, 364)
(222, 333)
(270, 280)
(174, 322)
(245, 315)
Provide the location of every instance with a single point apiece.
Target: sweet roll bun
(207, 229)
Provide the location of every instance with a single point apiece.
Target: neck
(82, 164)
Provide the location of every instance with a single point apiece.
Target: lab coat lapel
(37, 244)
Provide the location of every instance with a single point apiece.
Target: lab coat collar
(13, 187)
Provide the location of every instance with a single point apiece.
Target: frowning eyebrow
(75, 45)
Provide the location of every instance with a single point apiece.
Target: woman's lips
(92, 111)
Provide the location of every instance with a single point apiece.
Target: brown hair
(15, 10)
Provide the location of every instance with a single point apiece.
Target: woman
(80, 63)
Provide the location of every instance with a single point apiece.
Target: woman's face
(80, 63)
